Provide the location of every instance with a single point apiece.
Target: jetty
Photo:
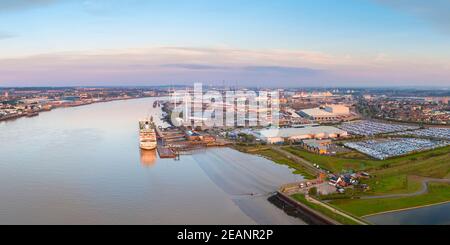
(166, 152)
(173, 142)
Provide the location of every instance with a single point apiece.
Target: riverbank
(269, 153)
(436, 214)
(359, 162)
(406, 209)
(67, 105)
(396, 183)
(329, 211)
(439, 193)
(314, 211)
(307, 212)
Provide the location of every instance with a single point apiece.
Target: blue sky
(290, 42)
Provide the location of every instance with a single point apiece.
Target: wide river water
(82, 165)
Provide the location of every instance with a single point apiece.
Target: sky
(290, 43)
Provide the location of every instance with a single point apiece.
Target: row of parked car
(370, 128)
(386, 148)
(437, 133)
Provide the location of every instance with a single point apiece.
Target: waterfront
(431, 215)
(82, 165)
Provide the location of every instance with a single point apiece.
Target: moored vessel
(147, 134)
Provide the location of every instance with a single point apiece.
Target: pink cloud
(184, 65)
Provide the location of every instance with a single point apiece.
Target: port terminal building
(326, 113)
(281, 135)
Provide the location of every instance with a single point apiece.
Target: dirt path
(423, 190)
(312, 200)
(306, 164)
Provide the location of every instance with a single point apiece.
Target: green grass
(400, 184)
(250, 148)
(341, 219)
(392, 185)
(352, 155)
(276, 157)
(334, 164)
(438, 192)
(435, 163)
(391, 176)
(280, 159)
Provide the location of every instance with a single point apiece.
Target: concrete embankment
(311, 216)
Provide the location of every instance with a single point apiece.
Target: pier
(174, 142)
(166, 152)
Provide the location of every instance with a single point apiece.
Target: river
(82, 165)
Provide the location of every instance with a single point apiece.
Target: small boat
(147, 134)
(32, 114)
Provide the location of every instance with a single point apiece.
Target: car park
(371, 128)
(386, 148)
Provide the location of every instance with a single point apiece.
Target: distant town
(299, 106)
(29, 102)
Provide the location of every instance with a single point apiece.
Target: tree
(313, 191)
(248, 138)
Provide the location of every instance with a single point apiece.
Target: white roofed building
(275, 136)
(328, 113)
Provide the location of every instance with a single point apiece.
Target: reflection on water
(82, 165)
(432, 215)
(148, 158)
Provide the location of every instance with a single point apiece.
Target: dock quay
(299, 187)
(32, 114)
(10, 117)
(166, 152)
(287, 202)
(314, 216)
(308, 214)
(172, 142)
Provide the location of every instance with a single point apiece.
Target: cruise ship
(147, 134)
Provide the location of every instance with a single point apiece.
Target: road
(309, 166)
(423, 190)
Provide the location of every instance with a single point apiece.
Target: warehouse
(327, 113)
(276, 136)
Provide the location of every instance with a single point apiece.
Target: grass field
(438, 192)
(395, 184)
(276, 157)
(435, 163)
(352, 155)
(390, 176)
(339, 218)
(393, 176)
(280, 159)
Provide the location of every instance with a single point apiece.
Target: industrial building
(276, 136)
(317, 146)
(327, 113)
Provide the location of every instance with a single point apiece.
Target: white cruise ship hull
(147, 145)
(147, 135)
